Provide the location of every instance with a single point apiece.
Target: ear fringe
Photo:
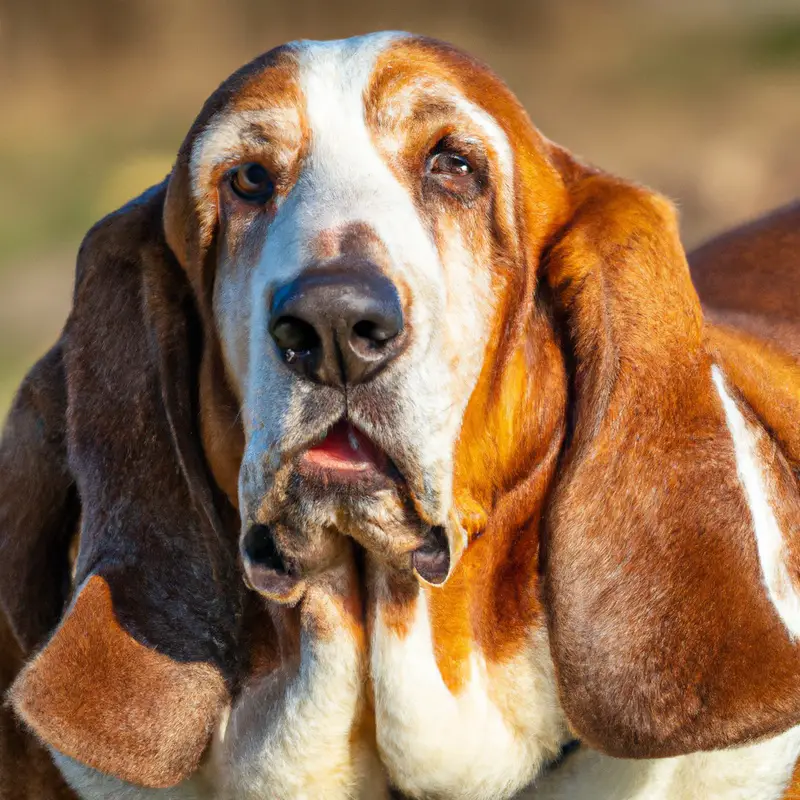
(152, 716)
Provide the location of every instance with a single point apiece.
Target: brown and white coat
(608, 471)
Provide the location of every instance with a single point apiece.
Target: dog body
(394, 314)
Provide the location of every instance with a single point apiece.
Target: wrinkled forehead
(385, 83)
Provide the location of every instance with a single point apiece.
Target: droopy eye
(252, 182)
(448, 163)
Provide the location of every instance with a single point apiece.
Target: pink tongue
(344, 448)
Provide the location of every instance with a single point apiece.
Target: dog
(449, 397)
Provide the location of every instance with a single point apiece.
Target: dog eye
(252, 182)
(449, 164)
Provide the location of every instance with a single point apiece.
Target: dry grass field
(698, 98)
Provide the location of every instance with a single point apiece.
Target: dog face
(364, 199)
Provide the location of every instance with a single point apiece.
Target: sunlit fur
(353, 173)
(357, 119)
(557, 355)
(770, 539)
(616, 467)
(760, 771)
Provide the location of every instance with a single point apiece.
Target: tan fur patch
(97, 695)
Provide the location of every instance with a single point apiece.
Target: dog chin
(381, 518)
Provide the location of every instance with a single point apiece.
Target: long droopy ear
(38, 505)
(38, 520)
(670, 556)
(134, 678)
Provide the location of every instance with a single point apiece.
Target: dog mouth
(344, 482)
(347, 464)
(348, 457)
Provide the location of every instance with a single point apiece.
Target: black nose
(266, 569)
(338, 325)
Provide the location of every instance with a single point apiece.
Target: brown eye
(252, 182)
(450, 164)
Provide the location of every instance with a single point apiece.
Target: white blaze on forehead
(345, 178)
(756, 483)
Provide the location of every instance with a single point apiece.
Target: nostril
(338, 325)
(292, 333)
(259, 549)
(374, 332)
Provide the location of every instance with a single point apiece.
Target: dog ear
(670, 569)
(39, 513)
(38, 505)
(135, 677)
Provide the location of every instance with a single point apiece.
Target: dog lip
(431, 561)
(270, 582)
(266, 569)
(345, 453)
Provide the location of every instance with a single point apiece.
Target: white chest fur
(488, 740)
(92, 785)
(757, 772)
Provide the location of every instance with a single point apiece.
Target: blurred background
(698, 98)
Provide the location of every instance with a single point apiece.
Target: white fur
(89, 784)
(489, 740)
(293, 740)
(289, 733)
(345, 178)
(755, 479)
(222, 139)
(472, 745)
(757, 772)
(287, 737)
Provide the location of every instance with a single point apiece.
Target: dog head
(411, 308)
(363, 220)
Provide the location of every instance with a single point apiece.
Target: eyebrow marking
(490, 128)
(228, 132)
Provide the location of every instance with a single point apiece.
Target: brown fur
(153, 530)
(511, 433)
(162, 734)
(594, 424)
(34, 569)
(26, 770)
(660, 623)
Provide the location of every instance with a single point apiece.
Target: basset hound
(448, 399)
